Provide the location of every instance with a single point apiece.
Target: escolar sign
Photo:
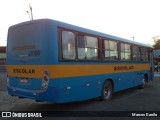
(27, 71)
(123, 68)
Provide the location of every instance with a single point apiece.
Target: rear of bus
(29, 56)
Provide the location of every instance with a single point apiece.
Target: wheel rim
(107, 92)
(143, 82)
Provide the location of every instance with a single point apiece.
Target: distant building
(157, 53)
(2, 58)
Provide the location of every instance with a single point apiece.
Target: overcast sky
(123, 18)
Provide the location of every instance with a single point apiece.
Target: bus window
(125, 52)
(110, 50)
(144, 54)
(87, 48)
(136, 53)
(68, 45)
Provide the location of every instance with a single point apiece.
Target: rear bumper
(50, 94)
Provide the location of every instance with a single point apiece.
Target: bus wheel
(107, 91)
(144, 82)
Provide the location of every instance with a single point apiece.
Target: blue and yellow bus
(52, 61)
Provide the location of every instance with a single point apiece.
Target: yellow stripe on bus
(61, 71)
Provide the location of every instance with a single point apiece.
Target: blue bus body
(33, 57)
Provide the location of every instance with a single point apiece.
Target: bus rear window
(26, 40)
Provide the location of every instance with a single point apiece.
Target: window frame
(136, 54)
(60, 46)
(147, 53)
(125, 60)
(98, 47)
(103, 49)
(76, 33)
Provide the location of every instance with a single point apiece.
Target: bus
(53, 61)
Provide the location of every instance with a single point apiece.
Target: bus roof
(83, 30)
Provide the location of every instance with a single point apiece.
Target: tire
(144, 82)
(107, 91)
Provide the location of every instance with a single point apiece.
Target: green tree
(156, 44)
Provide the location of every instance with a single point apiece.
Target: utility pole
(133, 38)
(31, 12)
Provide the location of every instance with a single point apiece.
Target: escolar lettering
(123, 68)
(27, 71)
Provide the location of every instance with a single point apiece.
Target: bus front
(28, 61)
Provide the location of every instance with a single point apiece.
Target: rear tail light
(45, 79)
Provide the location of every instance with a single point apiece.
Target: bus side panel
(88, 87)
(79, 88)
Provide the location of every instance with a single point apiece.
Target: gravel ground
(7, 101)
(3, 81)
